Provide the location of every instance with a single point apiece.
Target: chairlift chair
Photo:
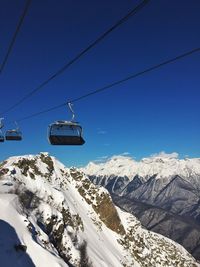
(1, 134)
(65, 132)
(14, 134)
(1, 137)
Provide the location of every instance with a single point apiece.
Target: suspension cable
(10, 47)
(83, 52)
(111, 85)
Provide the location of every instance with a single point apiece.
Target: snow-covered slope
(152, 179)
(146, 178)
(160, 190)
(54, 216)
(162, 165)
(14, 229)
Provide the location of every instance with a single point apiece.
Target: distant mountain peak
(162, 165)
(162, 190)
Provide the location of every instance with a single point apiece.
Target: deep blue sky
(156, 112)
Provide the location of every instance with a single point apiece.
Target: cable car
(66, 132)
(1, 134)
(1, 137)
(14, 134)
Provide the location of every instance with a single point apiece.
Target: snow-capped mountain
(159, 190)
(54, 216)
(162, 165)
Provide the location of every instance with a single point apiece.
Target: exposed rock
(163, 192)
(62, 214)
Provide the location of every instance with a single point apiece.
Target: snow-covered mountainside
(54, 216)
(162, 166)
(162, 191)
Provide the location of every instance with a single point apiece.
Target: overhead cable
(10, 47)
(111, 85)
(77, 57)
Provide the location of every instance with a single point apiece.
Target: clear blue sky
(159, 111)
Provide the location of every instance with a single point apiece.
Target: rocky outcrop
(60, 213)
(163, 192)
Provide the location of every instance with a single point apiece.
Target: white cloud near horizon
(101, 159)
(102, 132)
(126, 154)
(163, 154)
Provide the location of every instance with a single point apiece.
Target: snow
(13, 232)
(103, 248)
(57, 190)
(162, 165)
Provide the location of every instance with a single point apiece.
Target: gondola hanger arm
(1, 123)
(71, 110)
(17, 126)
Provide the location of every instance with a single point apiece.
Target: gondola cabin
(13, 135)
(1, 138)
(1, 133)
(65, 133)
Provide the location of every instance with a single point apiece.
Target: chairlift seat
(65, 133)
(1, 138)
(13, 135)
(65, 140)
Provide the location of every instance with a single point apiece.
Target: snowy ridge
(62, 219)
(162, 191)
(162, 165)
(11, 218)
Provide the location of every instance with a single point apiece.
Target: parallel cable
(10, 47)
(111, 85)
(83, 52)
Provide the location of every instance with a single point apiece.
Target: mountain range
(55, 216)
(162, 191)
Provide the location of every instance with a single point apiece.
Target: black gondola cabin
(1, 138)
(65, 133)
(13, 135)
